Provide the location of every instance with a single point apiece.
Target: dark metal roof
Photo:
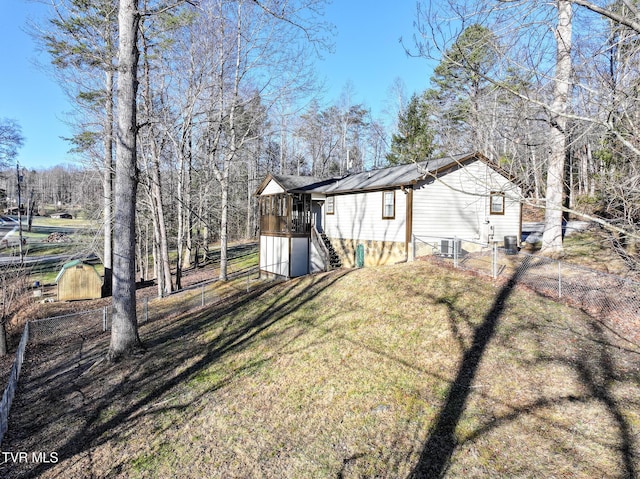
(295, 183)
(370, 180)
(292, 183)
(389, 177)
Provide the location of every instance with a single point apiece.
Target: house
(370, 218)
(15, 211)
(64, 216)
(79, 279)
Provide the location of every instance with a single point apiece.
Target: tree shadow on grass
(597, 374)
(141, 390)
(441, 442)
(594, 367)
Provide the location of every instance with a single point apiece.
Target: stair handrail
(315, 238)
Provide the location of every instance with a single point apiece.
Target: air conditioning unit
(447, 247)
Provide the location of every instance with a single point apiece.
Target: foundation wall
(375, 252)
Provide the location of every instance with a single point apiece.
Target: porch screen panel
(285, 214)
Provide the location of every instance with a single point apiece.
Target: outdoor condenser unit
(446, 247)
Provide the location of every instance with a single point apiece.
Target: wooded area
(550, 92)
(220, 92)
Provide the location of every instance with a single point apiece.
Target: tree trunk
(552, 236)
(163, 248)
(184, 206)
(186, 262)
(250, 190)
(124, 330)
(140, 259)
(3, 337)
(181, 221)
(224, 225)
(157, 263)
(107, 188)
(154, 146)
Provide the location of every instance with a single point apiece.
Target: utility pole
(19, 177)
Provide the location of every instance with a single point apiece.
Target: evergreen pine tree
(414, 139)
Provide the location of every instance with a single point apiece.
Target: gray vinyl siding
(457, 204)
(359, 216)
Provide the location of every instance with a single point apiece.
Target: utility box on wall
(360, 256)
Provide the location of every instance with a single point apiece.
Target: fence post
(413, 248)
(202, 295)
(559, 280)
(455, 252)
(104, 319)
(494, 260)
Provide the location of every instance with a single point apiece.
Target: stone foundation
(375, 252)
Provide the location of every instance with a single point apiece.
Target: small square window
(497, 203)
(388, 205)
(331, 205)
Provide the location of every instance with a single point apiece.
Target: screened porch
(285, 214)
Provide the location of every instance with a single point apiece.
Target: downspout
(408, 191)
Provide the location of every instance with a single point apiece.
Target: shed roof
(73, 264)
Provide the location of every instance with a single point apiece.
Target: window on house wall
(388, 205)
(496, 203)
(331, 205)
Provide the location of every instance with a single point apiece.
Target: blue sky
(368, 55)
(27, 94)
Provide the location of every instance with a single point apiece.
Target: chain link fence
(88, 323)
(610, 298)
(12, 384)
(82, 324)
(77, 327)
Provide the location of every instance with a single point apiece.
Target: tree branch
(616, 17)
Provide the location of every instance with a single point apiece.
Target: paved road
(6, 260)
(9, 233)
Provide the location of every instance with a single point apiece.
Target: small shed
(64, 216)
(78, 280)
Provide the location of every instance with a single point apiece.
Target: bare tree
(566, 93)
(124, 331)
(552, 236)
(10, 140)
(152, 147)
(80, 37)
(261, 47)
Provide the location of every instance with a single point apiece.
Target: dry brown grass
(402, 371)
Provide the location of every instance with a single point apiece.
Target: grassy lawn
(63, 223)
(593, 249)
(400, 371)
